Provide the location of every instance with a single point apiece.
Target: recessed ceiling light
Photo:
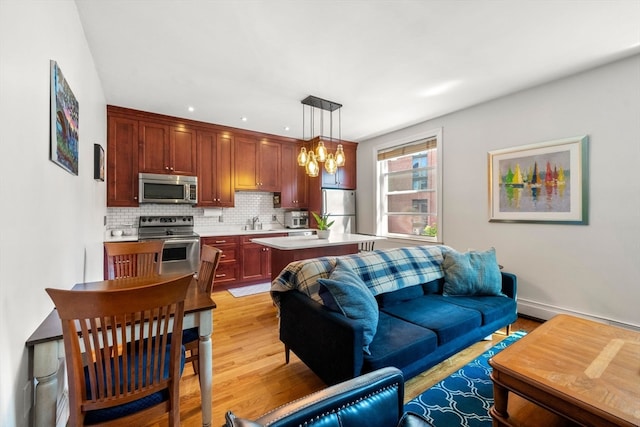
(191, 109)
(243, 118)
(287, 128)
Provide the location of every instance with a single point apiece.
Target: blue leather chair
(375, 399)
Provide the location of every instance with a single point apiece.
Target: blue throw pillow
(346, 293)
(471, 273)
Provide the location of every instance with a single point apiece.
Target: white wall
(593, 269)
(51, 221)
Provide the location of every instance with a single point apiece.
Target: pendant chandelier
(309, 158)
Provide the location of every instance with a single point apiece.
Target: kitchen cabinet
(256, 259)
(228, 271)
(345, 177)
(242, 261)
(295, 184)
(216, 169)
(167, 149)
(258, 162)
(122, 162)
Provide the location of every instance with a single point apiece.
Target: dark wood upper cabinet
(182, 150)
(216, 169)
(166, 149)
(295, 184)
(345, 177)
(258, 164)
(154, 147)
(122, 162)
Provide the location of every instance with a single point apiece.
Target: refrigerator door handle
(324, 202)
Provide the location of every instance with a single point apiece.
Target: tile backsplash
(247, 205)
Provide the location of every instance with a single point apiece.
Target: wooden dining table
(46, 350)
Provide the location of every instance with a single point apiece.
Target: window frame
(381, 208)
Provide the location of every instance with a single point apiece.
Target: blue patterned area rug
(465, 397)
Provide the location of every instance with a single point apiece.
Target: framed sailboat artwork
(546, 182)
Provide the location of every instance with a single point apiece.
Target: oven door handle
(181, 241)
(178, 241)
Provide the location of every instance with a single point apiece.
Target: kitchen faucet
(254, 220)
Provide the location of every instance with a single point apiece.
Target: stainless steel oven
(181, 252)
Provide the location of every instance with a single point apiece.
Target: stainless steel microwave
(172, 189)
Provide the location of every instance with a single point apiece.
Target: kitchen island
(294, 248)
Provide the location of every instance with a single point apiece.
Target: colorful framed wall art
(546, 182)
(64, 122)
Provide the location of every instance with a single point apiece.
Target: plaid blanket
(382, 270)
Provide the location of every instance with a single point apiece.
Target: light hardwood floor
(250, 376)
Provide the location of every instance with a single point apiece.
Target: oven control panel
(163, 221)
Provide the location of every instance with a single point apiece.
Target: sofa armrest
(376, 398)
(510, 285)
(327, 342)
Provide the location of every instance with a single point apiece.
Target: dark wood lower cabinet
(228, 271)
(254, 256)
(242, 261)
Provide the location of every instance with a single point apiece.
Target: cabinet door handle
(221, 241)
(220, 275)
(223, 256)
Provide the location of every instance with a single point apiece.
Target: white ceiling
(390, 63)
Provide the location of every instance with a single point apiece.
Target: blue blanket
(382, 270)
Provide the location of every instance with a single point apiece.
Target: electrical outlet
(274, 218)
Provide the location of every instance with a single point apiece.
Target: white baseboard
(546, 312)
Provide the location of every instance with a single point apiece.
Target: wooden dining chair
(132, 259)
(366, 246)
(209, 260)
(121, 370)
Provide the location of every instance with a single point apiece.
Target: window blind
(407, 149)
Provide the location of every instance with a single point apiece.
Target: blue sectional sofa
(407, 307)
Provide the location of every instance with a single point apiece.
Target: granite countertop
(306, 242)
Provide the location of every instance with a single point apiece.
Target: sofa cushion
(471, 273)
(394, 297)
(448, 321)
(345, 292)
(398, 343)
(434, 286)
(492, 308)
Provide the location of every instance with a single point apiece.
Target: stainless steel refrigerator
(340, 205)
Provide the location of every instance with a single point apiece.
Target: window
(409, 183)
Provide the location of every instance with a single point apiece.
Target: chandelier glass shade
(302, 157)
(317, 152)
